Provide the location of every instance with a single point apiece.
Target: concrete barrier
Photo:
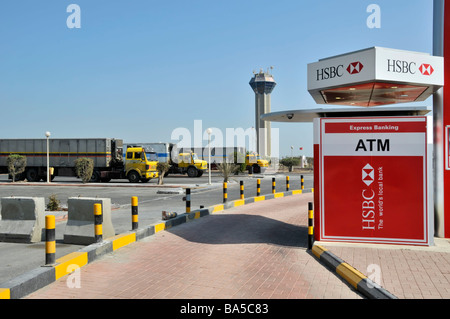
(80, 220)
(22, 219)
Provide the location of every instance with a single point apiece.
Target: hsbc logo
(331, 72)
(368, 174)
(368, 199)
(355, 67)
(426, 69)
(399, 66)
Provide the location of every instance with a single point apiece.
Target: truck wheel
(33, 175)
(95, 178)
(256, 169)
(133, 177)
(192, 171)
(199, 173)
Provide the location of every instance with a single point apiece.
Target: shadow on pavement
(243, 229)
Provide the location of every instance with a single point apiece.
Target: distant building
(262, 84)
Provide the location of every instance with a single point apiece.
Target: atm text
(373, 145)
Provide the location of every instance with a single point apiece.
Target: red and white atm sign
(373, 180)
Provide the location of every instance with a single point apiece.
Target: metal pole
(209, 156)
(242, 189)
(47, 134)
(439, 123)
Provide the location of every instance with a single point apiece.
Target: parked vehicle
(106, 153)
(182, 161)
(255, 164)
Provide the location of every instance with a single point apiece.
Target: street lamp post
(209, 131)
(47, 134)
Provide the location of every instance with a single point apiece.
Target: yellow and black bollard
(301, 182)
(287, 183)
(310, 225)
(258, 187)
(98, 222)
(242, 189)
(50, 243)
(134, 213)
(273, 185)
(188, 200)
(225, 192)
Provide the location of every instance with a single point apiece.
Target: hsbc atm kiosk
(373, 174)
(373, 180)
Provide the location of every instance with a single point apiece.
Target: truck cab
(255, 162)
(138, 167)
(190, 163)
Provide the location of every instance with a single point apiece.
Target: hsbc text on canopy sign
(375, 76)
(373, 180)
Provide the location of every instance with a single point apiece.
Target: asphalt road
(153, 199)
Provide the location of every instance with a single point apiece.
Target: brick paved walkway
(407, 272)
(252, 251)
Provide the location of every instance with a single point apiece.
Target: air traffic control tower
(262, 84)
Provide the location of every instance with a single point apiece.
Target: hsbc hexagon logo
(355, 67)
(368, 174)
(426, 69)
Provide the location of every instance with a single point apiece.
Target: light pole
(47, 134)
(209, 131)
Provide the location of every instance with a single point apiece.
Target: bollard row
(50, 237)
(241, 192)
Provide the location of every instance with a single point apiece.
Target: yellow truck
(138, 167)
(111, 160)
(187, 163)
(255, 164)
(181, 161)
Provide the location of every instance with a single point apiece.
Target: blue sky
(139, 69)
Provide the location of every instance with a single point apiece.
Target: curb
(351, 275)
(40, 277)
